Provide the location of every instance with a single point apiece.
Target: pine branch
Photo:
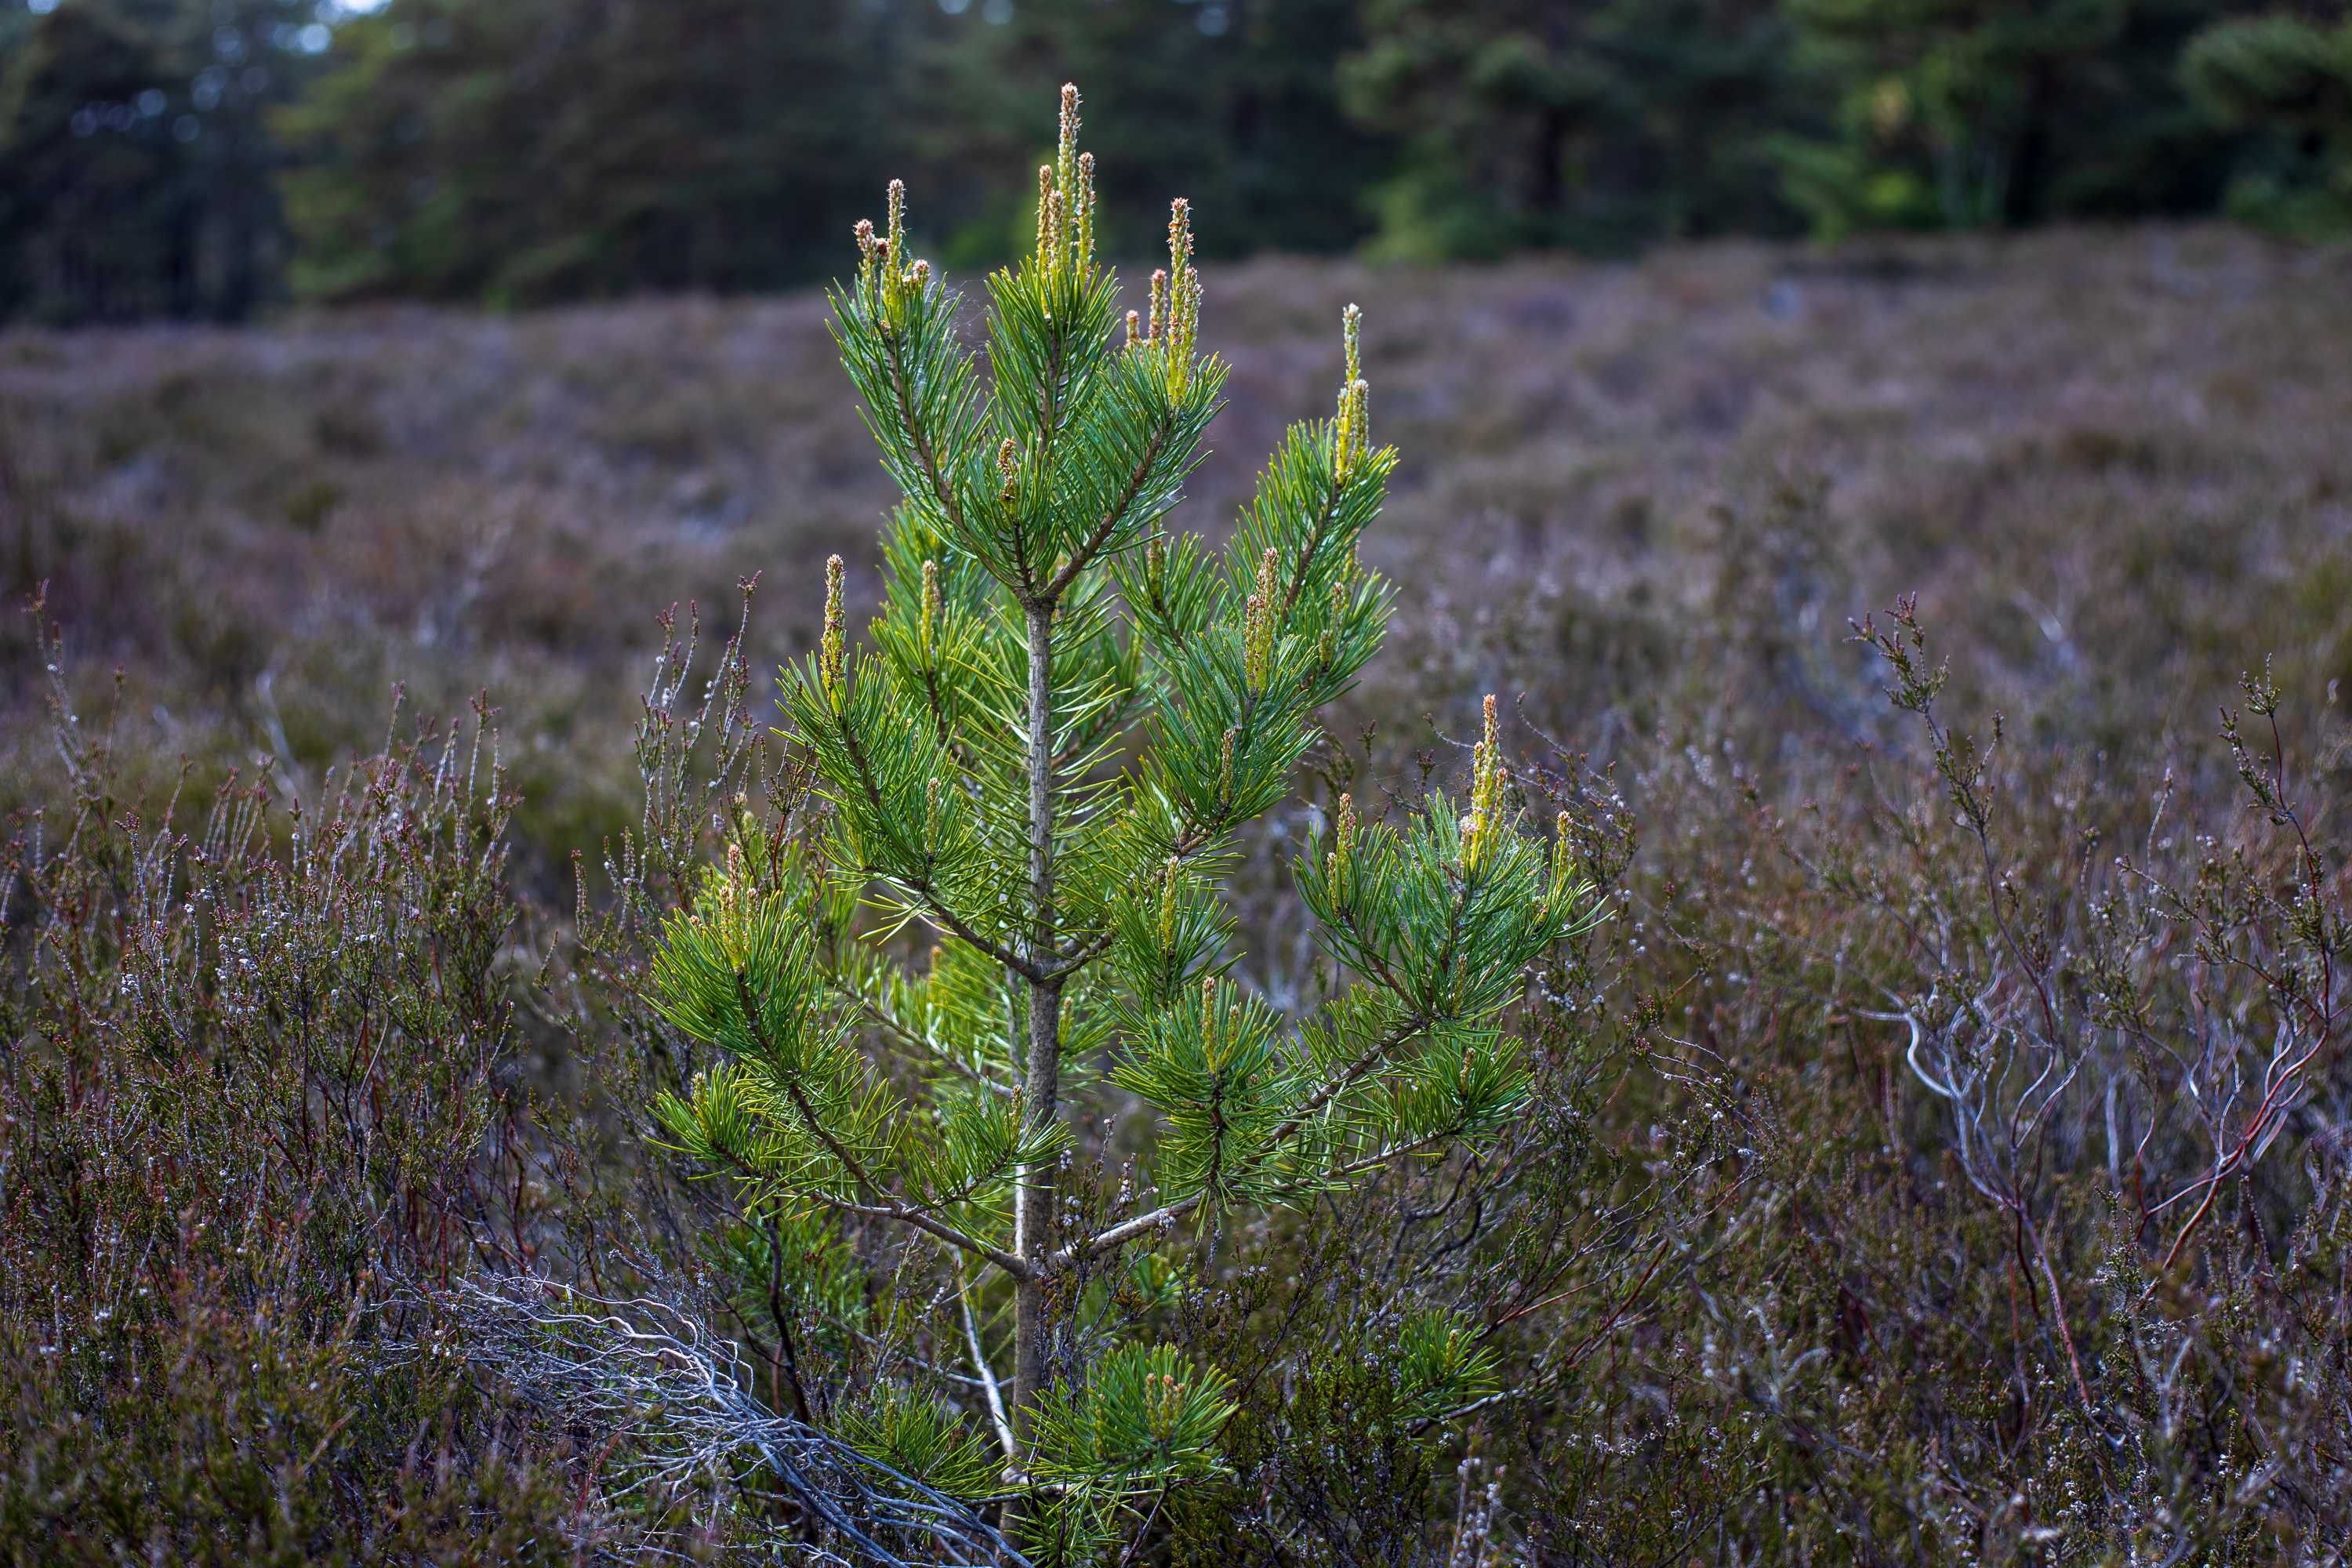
(1313, 543)
(935, 909)
(1076, 959)
(1128, 1230)
(888, 1207)
(933, 905)
(898, 1030)
(1085, 554)
(911, 421)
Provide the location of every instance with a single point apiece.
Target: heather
(1936, 1155)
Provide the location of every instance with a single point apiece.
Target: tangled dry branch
(646, 1376)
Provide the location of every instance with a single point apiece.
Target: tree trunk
(1032, 1217)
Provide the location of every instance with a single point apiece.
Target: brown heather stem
(2058, 1315)
(788, 1354)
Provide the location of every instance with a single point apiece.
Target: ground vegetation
(1931, 650)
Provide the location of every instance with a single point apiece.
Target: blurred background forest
(211, 158)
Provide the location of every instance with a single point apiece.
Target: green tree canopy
(2291, 76)
(1540, 122)
(534, 151)
(531, 150)
(1936, 103)
(1233, 102)
(134, 173)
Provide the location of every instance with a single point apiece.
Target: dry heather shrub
(270, 529)
(1860, 1309)
(246, 1086)
(316, 1250)
(1979, 1155)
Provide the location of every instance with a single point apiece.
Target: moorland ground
(2110, 461)
(1644, 502)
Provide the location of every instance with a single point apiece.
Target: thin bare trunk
(1033, 1218)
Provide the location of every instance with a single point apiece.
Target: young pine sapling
(1044, 756)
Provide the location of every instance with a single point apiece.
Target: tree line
(210, 158)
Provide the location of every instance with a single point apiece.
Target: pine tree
(1938, 106)
(1044, 754)
(2291, 77)
(1602, 126)
(534, 151)
(135, 171)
